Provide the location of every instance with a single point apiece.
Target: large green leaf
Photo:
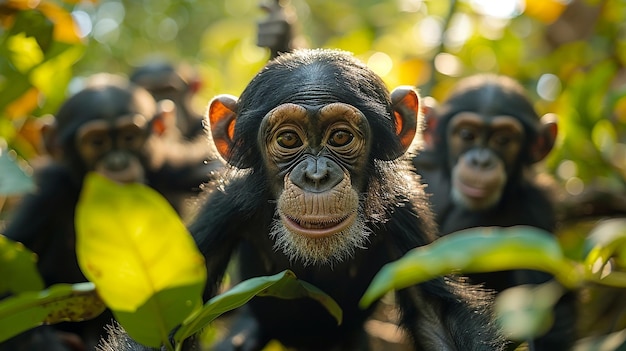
(59, 303)
(283, 285)
(475, 250)
(134, 247)
(17, 268)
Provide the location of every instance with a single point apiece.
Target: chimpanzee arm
(444, 313)
(220, 225)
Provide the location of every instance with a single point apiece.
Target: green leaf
(524, 312)
(13, 179)
(615, 341)
(59, 303)
(607, 240)
(133, 246)
(283, 285)
(475, 250)
(153, 321)
(18, 268)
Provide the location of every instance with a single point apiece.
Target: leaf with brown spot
(59, 303)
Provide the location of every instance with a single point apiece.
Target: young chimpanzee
(179, 84)
(321, 183)
(111, 127)
(487, 137)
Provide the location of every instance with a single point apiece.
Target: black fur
(44, 220)
(442, 314)
(525, 200)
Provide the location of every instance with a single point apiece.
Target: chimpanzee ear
(165, 119)
(406, 104)
(221, 117)
(50, 137)
(548, 130)
(429, 114)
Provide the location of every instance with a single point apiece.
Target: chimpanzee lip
(472, 189)
(125, 177)
(318, 227)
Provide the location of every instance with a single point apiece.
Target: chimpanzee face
(482, 153)
(113, 148)
(313, 127)
(315, 155)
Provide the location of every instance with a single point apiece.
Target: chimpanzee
(179, 84)
(486, 136)
(276, 31)
(320, 182)
(111, 127)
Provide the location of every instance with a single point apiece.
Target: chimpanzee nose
(481, 158)
(316, 174)
(117, 161)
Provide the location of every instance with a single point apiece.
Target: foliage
(152, 284)
(522, 311)
(58, 303)
(18, 270)
(30, 306)
(148, 270)
(569, 54)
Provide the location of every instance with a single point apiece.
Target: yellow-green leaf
(132, 244)
(25, 52)
(59, 303)
(152, 323)
(472, 251)
(18, 268)
(607, 241)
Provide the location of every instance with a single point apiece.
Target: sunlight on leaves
(23, 105)
(65, 30)
(18, 268)
(546, 11)
(133, 246)
(123, 233)
(605, 249)
(25, 52)
(472, 251)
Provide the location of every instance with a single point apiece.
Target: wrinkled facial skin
(317, 155)
(481, 156)
(113, 150)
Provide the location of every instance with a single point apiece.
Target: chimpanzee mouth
(318, 227)
(472, 190)
(125, 176)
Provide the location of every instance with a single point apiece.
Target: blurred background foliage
(569, 54)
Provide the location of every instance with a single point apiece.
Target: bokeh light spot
(567, 169)
(549, 86)
(380, 63)
(83, 21)
(448, 64)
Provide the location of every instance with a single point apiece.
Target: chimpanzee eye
(289, 140)
(130, 138)
(502, 139)
(97, 141)
(340, 138)
(467, 134)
